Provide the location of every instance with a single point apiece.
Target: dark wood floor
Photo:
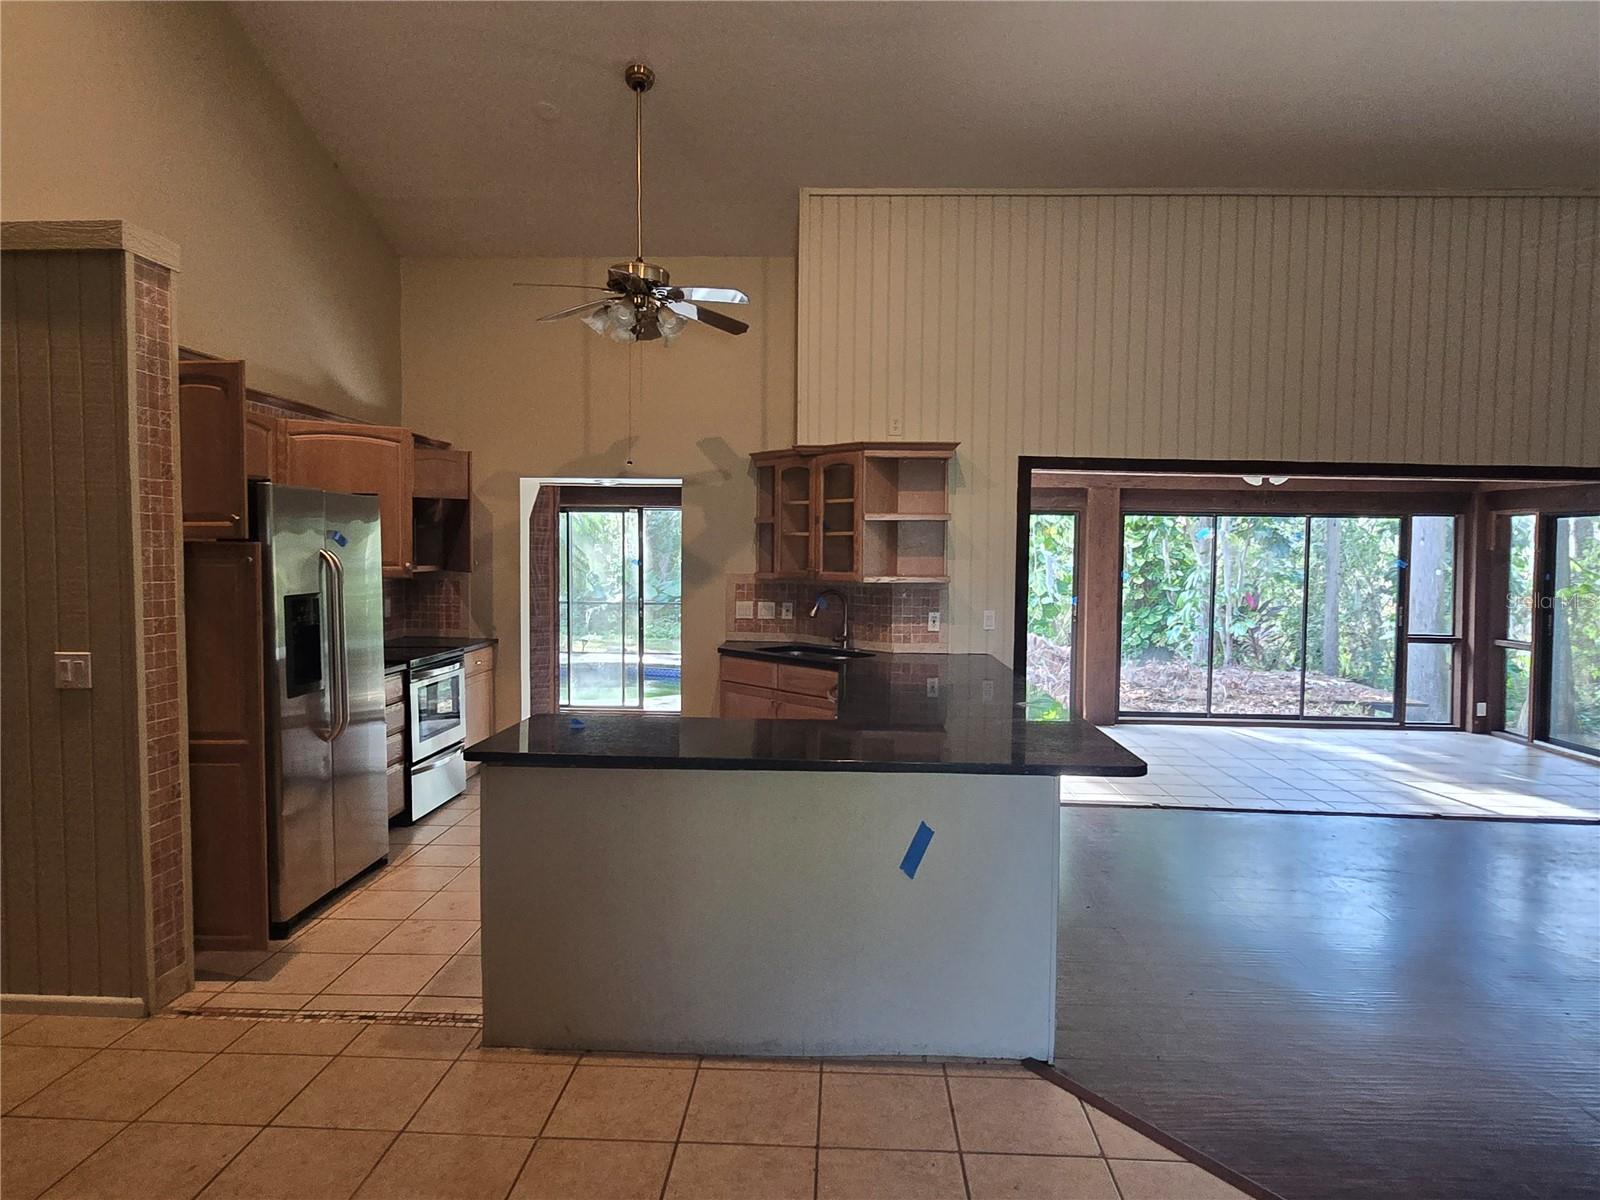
(1342, 1006)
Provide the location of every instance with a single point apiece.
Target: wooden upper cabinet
(836, 479)
(260, 435)
(211, 424)
(373, 460)
(441, 474)
(863, 512)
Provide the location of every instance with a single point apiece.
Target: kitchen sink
(806, 650)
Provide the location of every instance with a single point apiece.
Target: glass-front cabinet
(838, 478)
(866, 512)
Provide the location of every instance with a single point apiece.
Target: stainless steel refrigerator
(327, 795)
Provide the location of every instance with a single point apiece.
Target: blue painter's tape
(915, 851)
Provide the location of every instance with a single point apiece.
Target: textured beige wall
(161, 115)
(1452, 330)
(530, 399)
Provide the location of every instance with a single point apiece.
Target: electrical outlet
(988, 691)
(788, 610)
(988, 618)
(766, 610)
(933, 621)
(933, 685)
(73, 669)
(897, 427)
(744, 610)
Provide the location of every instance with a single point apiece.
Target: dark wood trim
(1317, 504)
(1019, 593)
(599, 496)
(1100, 606)
(1569, 499)
(1330, 470)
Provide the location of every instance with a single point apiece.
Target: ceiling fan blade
(712, 295)
(707, 316)
(586, 287)
(574, 310)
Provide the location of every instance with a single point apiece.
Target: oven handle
(437, 673)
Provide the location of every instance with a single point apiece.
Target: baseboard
(72, 1006)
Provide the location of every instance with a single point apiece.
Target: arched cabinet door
(211, 426)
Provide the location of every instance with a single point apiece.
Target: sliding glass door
(619, 638)
(1574, 693)
(1052, 614)
(1288, 617)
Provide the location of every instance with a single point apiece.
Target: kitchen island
(885, 883)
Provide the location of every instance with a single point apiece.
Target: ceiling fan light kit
(642, 304)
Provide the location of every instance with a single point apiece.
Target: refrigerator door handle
(338, 686)
(342, 626)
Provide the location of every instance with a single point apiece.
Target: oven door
(438, 710)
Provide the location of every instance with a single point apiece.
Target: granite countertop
(422, 650)
(947, 713)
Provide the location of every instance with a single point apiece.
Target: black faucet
(843, 637)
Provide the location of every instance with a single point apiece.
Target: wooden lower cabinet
(480, 698)
(227, 744)
(752, 688)
(742, 700)
(397, 789)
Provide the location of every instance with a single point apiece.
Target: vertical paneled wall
(73, 917)
(1458, 329)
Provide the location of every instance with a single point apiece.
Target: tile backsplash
(425, 604)
(884, 617)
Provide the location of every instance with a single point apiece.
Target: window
(619, 636)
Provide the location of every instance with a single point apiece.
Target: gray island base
(753, 887)
(766, 912)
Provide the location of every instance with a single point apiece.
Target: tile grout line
(543, 1125)
(955, 1128)
(816, 1157)
(682, 1121)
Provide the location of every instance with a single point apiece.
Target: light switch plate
(1482, 708)
(988, 690)
(933, 685)
(766, 610)
(788, 610)
(744, 610)
(933, 621)
(988, 618)
(73, 669)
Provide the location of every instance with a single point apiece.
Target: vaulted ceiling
(488, 129)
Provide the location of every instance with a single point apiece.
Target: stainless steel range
(437, 730)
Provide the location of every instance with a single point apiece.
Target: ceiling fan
(641, 304)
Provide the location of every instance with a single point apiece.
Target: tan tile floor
(336, 1088)
(288, 1106)
(404, 940)
(1362, 772)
